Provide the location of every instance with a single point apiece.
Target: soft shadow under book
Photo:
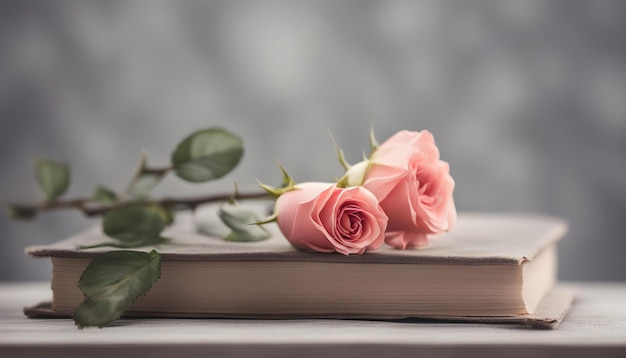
(499, 268)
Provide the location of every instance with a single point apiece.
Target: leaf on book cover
(112, 282)
(235, 223)
(104, 195)
(52, 177)
(242, 223)
(207, 155)
(136, 225)
(212, 227)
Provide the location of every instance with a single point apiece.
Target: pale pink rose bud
(413, 186)
(325, 218)
(355, 176)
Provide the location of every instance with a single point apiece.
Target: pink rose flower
(413, 186)
(325, 218)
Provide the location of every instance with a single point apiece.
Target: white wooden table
(595, 325)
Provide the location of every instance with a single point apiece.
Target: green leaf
(104, 195)
(206, 155)
(143, 182)
(212, 226)
(129, 244)
(136, 225)
(112, 282)
(20, 211)
(242, 222)
(52, 177)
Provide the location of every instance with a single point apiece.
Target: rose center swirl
(350, 222)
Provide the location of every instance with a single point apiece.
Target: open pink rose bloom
(413, 186)
(325, 218)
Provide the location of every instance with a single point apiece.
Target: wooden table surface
(595, 325)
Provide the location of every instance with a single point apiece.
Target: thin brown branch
(91, 208)
(157, 170)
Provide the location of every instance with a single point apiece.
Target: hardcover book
(490, 268)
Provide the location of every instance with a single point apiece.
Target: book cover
(477, 238)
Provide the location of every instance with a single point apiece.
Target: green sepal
(270, 219)
(287, 184)
(340, 155)
(342, 182)
(373, 142)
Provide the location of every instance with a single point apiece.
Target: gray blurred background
(527, 101)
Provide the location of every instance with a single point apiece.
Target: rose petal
(406, 239)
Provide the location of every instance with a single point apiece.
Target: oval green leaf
(143, 181)
(242, 223)
(128, 244)
(206, 155)
(52, 177)
(21, 211)
(112, 282)
(135, 223)
(104, 195)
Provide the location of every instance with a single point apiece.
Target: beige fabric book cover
(480, 239)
